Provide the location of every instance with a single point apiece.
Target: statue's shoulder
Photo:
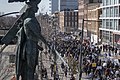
(28, 20)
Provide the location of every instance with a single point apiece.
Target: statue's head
(32, 7)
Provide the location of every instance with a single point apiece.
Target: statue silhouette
(28, 32)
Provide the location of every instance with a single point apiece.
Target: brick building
(68, 21)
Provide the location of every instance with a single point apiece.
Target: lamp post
(80, 56)
(81, 46)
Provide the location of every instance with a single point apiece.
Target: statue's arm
(34, 28)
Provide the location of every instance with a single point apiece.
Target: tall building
(53, 6)
(94, 23)
(82, 12)
(68, 4)
(110, 21)
(68, 21)
(61, 5)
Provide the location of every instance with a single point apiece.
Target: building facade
(68, 4)
(53, 6)
(7, 62)
(68, 21)
(61, 5)
(45, 25)
(82, 13)
(94, 23)
(110, 21)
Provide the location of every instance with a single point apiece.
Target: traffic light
(16, 1)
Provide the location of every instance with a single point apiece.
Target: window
(111, 12)
(107, 2)
(107, 35)
(107, 24)
(107, 12)
(116, 12)
(115, 1)
(111, 24)
(112, 2)
(103, 1)
(115, 24)
(104, 12)
(103, 23)
(76, 24)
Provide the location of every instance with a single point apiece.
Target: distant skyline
(17, 6)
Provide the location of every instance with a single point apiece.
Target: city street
(60, 39)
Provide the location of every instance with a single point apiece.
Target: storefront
(117, 39)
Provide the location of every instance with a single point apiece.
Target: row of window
(71, 13)
(72, 24)
(71, 19)
(110, 24)
(110, 2)
(107, 36)
(111, 12)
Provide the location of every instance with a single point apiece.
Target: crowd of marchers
(96, 63)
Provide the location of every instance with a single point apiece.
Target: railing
(58, 54)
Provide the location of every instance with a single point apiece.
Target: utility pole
(54, 43)
(80, 55)
(81, 47)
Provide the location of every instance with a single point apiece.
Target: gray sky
(16, 6)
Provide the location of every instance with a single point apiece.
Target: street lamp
(80, 56)
(81, 46)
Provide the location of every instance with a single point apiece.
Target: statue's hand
(40, 48)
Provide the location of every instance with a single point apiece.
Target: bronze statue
(28, 32)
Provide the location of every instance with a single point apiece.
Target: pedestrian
(116, 51)
(112, 50)
(45, 72)
(72, 77)
(57, 77)
(65, 71)
(62, 65)
(52, 68)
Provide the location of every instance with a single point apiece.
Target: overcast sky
(16, 6)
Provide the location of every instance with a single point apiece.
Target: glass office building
(61, 5)
(110, 20)
(68, 4)
(53, 6)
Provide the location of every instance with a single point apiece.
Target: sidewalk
(47, 63)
